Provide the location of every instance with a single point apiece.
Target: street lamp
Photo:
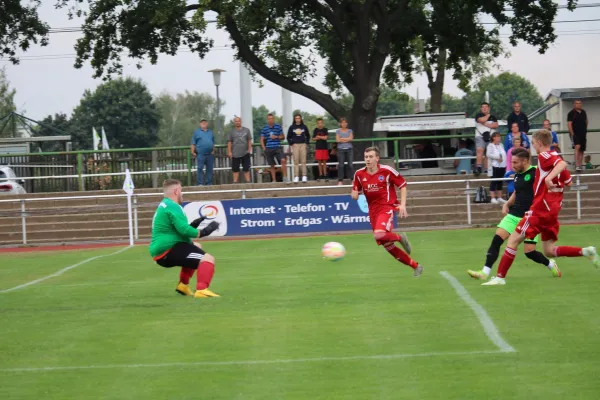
(217, 80)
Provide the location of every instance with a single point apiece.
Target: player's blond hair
(375, 149)
(543, 137)
(169, 184)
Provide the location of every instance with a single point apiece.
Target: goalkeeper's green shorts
(509, 224)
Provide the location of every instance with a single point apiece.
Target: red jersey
(548, 201)
(380, 187)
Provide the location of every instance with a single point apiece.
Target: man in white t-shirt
(485, 125)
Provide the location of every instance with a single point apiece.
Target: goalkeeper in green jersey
(171, 244)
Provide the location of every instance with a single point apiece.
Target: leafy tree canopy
(181, 113)
(504, 89)
(360, 43)
(126, 110)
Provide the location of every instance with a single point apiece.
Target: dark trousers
(345, 155)
(497, 173)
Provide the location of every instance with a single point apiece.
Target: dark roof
(575, 93)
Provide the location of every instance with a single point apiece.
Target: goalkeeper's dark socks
(206, 271)
(538, 258)
(568, 251)
(506, 262)
(400, 255)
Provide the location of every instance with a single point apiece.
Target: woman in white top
(497, 167)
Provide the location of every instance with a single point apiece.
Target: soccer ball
(333, 251)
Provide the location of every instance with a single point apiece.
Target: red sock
(186, 274)
(383, 237)
(205, 273)
(400, 255)
(568, 251)
(506, 262)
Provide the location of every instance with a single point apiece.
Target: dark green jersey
(523, 192)
(169, 227)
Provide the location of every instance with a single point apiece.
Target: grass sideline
(293, 326)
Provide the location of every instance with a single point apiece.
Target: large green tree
(7, 105)
(504, 89)
(438, 52)
(359, 42)
(126, 110)
(53, 125)
(20, 26)
(180, 115)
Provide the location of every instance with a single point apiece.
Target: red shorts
(382, 220)
(532, 225)
(321, 155)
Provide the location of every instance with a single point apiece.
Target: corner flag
(128, 183)
(128, 188)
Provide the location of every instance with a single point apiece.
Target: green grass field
(290, 325)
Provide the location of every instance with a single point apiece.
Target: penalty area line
(62, 271)
(252, 362)
(484, 319)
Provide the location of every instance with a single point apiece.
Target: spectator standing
(578, 123)
(344, 137)
(203, 148)
(485, 125)
(270, 140)
(516, 144)
(555, 146)
(320, 135)
(519, 117)
(298, 137)
(463, 166)
(497, 156)
(239, 148)
(514, 134)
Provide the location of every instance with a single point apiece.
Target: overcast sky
(54, 85)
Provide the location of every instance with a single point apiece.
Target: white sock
(486, 271)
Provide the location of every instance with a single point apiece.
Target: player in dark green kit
(172, 246)
(516, 207)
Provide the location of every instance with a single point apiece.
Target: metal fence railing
(470, 189)
(93, 170)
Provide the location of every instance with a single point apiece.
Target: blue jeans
(207, 160)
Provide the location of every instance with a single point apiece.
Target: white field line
(250, 362)
(62, 271)
(486, 322)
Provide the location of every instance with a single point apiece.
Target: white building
(558, 116)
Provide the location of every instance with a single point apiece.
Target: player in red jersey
(378, 183)
(551, 178)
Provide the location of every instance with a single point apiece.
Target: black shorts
(272, 155)
(184, 255)
(580, 140)
(236, 161)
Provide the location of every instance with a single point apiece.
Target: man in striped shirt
(270, 140)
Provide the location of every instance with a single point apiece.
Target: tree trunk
(436, 90)
(436, 87)
(361, 122)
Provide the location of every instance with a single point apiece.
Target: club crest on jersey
(527, 178)
(380, 178)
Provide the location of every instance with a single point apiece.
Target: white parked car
(9, 183)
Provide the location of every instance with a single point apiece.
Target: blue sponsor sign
(282, 215)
